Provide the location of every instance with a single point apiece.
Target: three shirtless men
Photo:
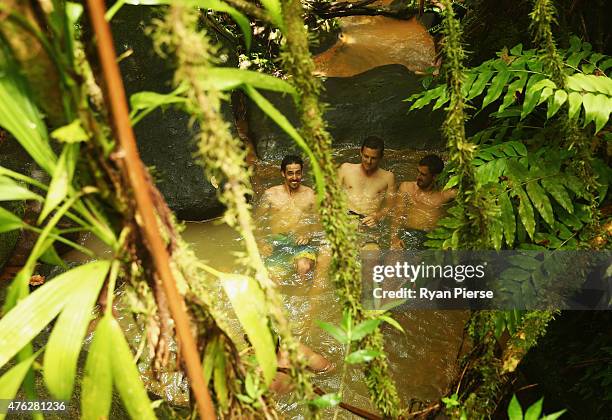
(290, 207)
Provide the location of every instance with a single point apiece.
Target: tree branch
(148, 222)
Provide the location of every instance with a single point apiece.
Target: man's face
(293, 175)
(425, 178)
(370, 159)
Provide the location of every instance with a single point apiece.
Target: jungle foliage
(521, 184)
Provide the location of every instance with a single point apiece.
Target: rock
(371, 103)
(165, 140)
(12, 156)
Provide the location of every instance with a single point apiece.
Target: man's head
(372, 150)
(429, 168)
(291, 170)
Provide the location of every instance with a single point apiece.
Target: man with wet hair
(286, 211)
(419, 205)
(369, 189)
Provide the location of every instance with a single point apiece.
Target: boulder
(370, 103)
(12, 156)
(166, 140)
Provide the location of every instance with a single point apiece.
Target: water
(422, 360)
(370, 41)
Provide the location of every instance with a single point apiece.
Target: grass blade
(64, 345)
(126, 376)
(97, 386)
(22, 323)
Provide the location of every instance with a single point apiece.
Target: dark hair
(289, 159)
(374, 142)
(433, 162)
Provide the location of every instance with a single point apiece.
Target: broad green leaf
(19, 115)
(50, 255)
(426, 97)
(97, 385)
(597, 108)
(515, 412)
(546, 93)
(326, 401)
(507, 218)
(224, 78)
(558, 192)
(467, 83)
(532, 95)
(575, 101)
(497, 86)
(334, 331)
(12, 191)
(71, 133)
(274, 9)
(62, 177)
(534, 411)
(452, 182)
(64, 344)
(249, 304)
(496, 231)
(544, 83)
(389, 320)
(589, 83)
(556, 102)
(361, 356)
(126, 376)
(22, 323)
(479, 85)
(220, 381)
(364, 328)
(513, 88)
(517, 49)
(554, 416)
(541, 202)
(519, 147)
(442, 99)
(146, 100)
(12, 379)
(8, 221)
(525, 211)
(605, 65)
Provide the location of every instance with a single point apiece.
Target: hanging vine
(333, 208)
(542, 18)
(472, 232)
(223, 157)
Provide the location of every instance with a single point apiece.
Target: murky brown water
(422, 360)
(370, 41)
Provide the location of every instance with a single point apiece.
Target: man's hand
(371, 220)
(302, 240)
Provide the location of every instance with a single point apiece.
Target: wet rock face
(166, 141)
(371, 103)
(12, 156)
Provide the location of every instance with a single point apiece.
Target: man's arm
(388, 202)
(449, 195)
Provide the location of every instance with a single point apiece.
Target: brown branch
(148, 223)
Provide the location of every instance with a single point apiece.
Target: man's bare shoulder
(348, 167)
(273, 191)
(407, 186)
